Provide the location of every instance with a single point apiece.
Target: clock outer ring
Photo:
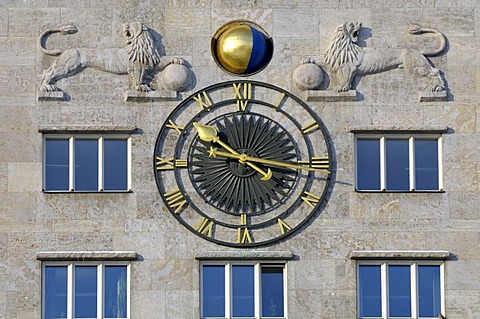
(221, 85)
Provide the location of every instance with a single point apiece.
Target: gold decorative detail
(174, 126)
(175, 200)
(284, 227)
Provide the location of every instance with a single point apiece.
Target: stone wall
(165, 280)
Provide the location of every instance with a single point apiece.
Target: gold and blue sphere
(242, 48)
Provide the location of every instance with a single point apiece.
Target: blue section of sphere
(259, 55)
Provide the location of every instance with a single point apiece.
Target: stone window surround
(101, 260)
(399, 130)
(99, 132)
(404, 257)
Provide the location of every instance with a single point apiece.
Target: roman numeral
(310, 127)
(243, 93)
(174, 126)
(243, 235)
(310, 199)
(203, 100)
(205, 227)
(279, 101)
(284, 227)
(175, 200)
(169, 163)
(319, 162)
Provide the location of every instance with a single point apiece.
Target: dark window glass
(399, 298)
(429, 291)
(370, 298)
(86, 165)
(56, 164)
(368, 164)
(115, 292)
(272, 292)
(213, 291)
(115, 164)
(426, 164)
(397, 169)
(243, 291)
(85, 292)
(55, 292)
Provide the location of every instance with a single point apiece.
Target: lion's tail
(416, 29)
(42, 39)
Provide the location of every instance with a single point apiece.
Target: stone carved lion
(344, 58)
(140, 58)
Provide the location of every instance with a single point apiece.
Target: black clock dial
(243, 163)
(237, 188)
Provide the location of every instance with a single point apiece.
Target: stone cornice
(400, 254)
(86, 255)
(244, 255)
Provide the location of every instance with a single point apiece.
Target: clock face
(243, 163)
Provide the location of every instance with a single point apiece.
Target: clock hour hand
(208, 133)
(244, 158)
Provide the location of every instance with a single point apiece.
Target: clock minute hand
(243, 158)
(208, 133)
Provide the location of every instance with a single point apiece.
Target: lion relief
(140, 59)
(344, 59)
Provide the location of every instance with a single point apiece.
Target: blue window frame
(400, 290)
(398, 163)
(243, 290)
(86, 163)
(85, 290)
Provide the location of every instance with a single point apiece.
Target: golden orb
(242, 48)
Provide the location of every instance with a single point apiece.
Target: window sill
(86, 255)
(400, 254)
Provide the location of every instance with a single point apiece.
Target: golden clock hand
(244, 158)
(208, 133)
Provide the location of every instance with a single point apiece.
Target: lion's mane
(342, 49)
(141, 47)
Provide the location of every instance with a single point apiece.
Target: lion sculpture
(140, 58)
(344, 59)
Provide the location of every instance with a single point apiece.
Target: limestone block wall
(165, 279)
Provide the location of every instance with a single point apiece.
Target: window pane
(243, 291)
(213, 291)
(115, 299)
(429, 291)
(272, 292)
(370, 300)
(85, 292)
(397, 169)
(399, 299)
(368, 164)
(55, 292)
(56, 164)
(86, 165)
(115, 164)
(426, 164)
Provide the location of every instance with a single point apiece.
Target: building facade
(239, 159)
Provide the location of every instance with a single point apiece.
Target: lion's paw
(144, 88)
(344, 88)
(48, 88)
(307, 60)
(176, 60)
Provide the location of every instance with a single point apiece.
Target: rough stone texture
(165, 271)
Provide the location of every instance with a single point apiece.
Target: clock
(243, 163)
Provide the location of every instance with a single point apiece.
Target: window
(400, 289)
(85, 290)
(243, 290)
(86, 163)
(398, 162)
